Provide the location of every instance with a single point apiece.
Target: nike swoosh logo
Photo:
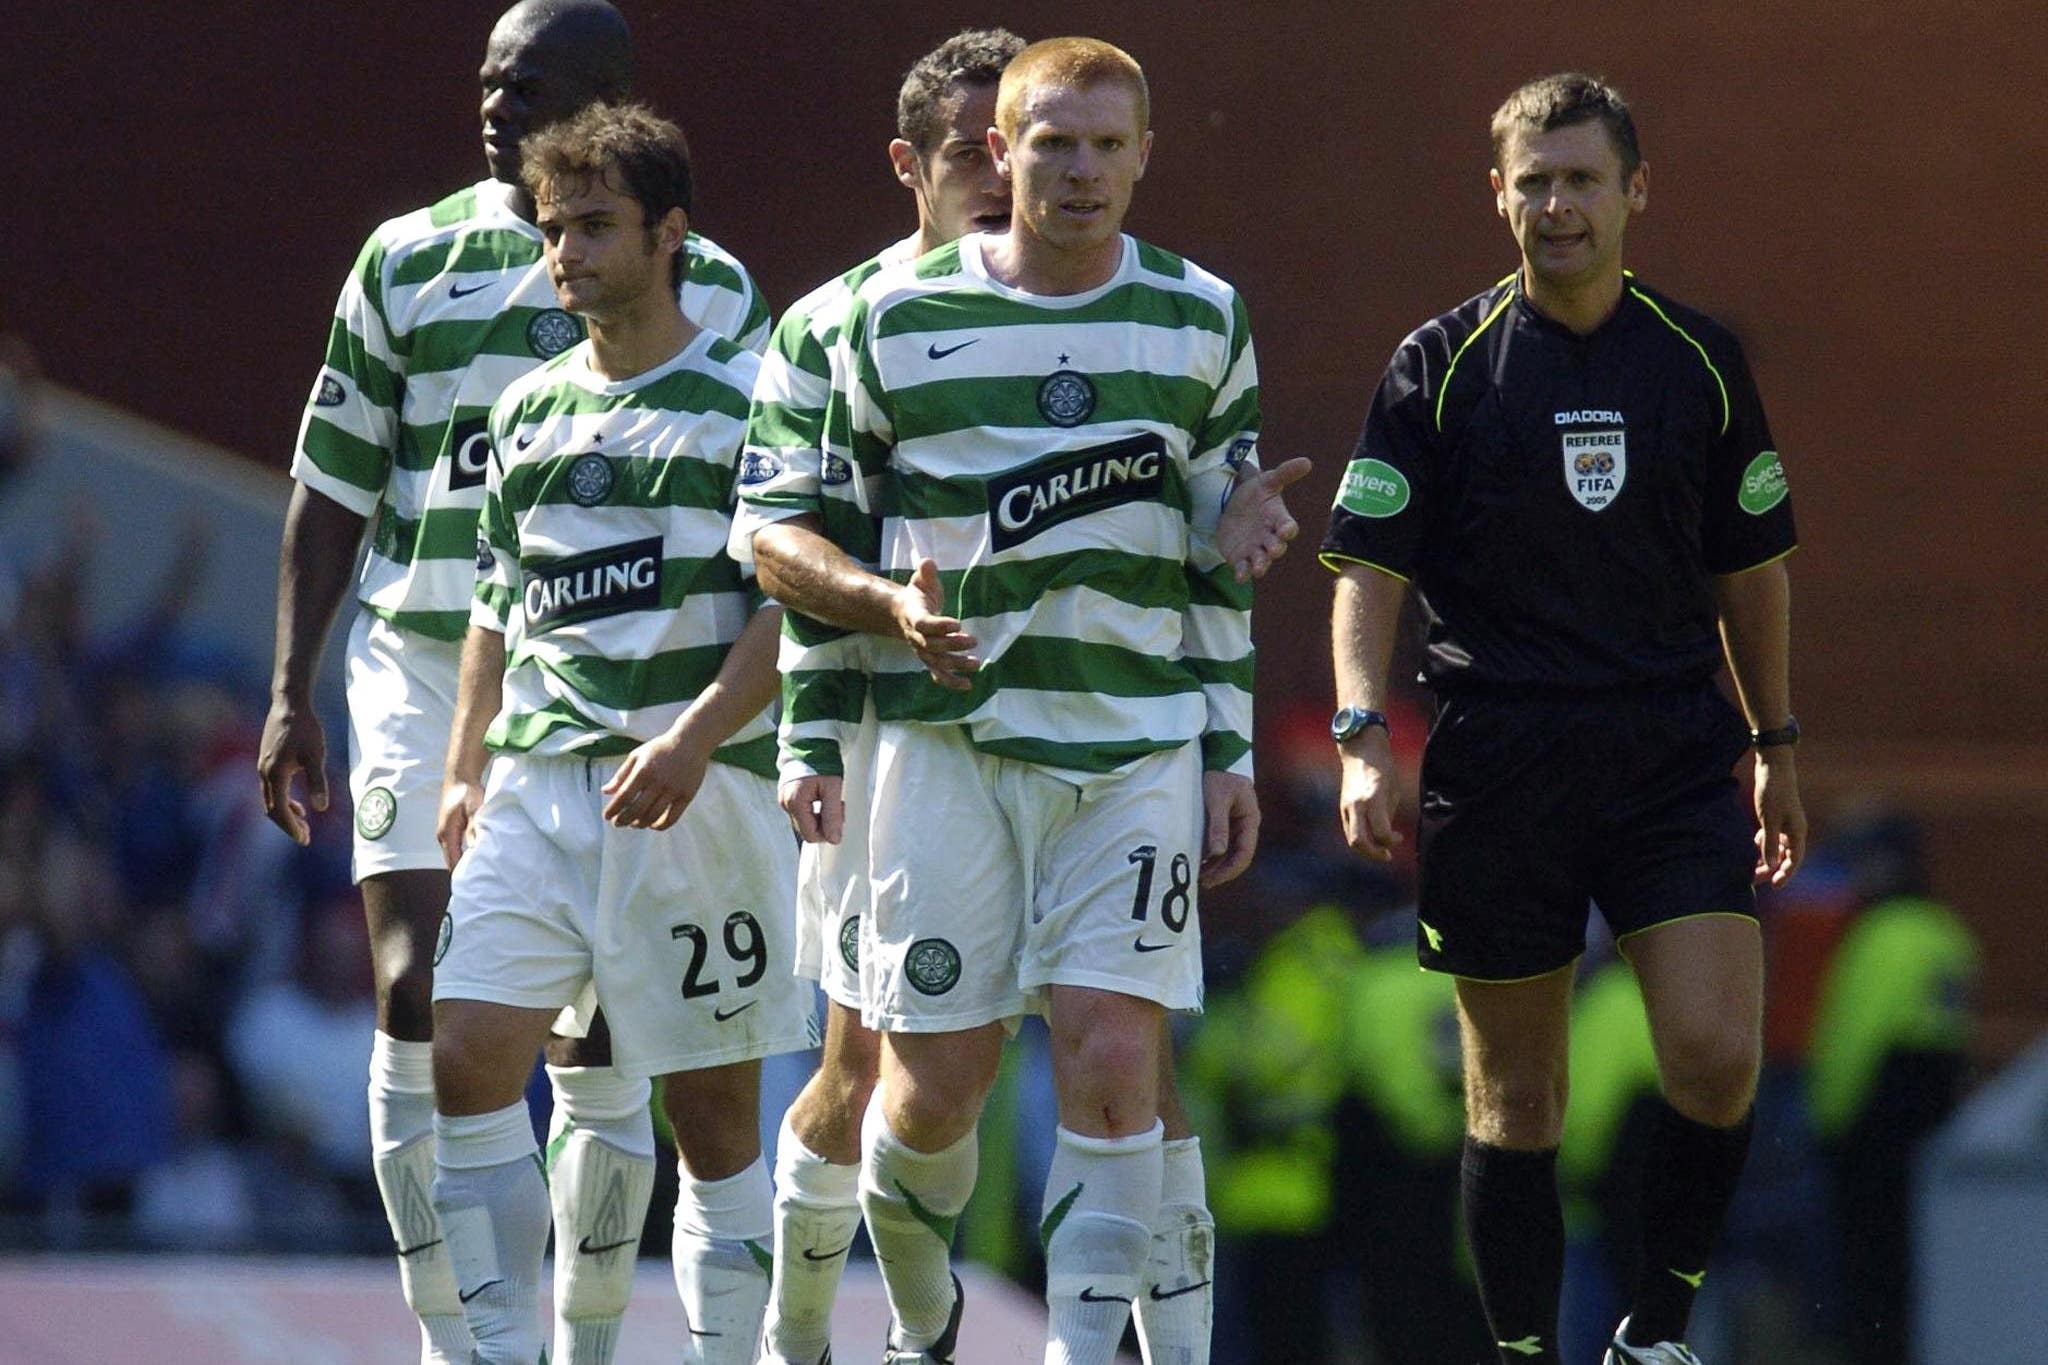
(722, 1015)
(811, 1254)
(1694, 1280)
(587, 1249)
(476, 1291)
(1145, 947)
(1527, 1346)
(456, 291)
(414, 1251)
(934, 352)
(1089, 1295)
(1158, 1297)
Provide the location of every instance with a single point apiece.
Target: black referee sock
(1689, 1176)
(1516, 1226)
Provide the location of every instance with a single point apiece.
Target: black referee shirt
(1561, 502)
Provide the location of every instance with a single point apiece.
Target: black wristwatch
(1784, 737)
(1351, 721)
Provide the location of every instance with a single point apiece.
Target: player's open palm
(293, 743)
(657, 781)
(942, 646)
(1255, 528)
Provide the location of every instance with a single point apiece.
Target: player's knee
(1522, 1110)
(716, 1125)
(937, 1092)
(1710, 1071)
(1115, 1079)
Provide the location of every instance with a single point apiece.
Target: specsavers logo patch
(1372, 488)
(1763, 484)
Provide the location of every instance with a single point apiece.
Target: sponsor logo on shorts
(552, 332)
(330, 393)
(603, 582)
(757, 467)
(444, 937)
(933, 966)
(1073, 484)
(1240, 450)
(1595, 466)
(721, 1014)
(1066, 398)
(590, 479)
(837, 470)
(1372, 488)
(376, 813)
(1763, 484)
(849, 942)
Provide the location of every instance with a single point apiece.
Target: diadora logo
(757, 467)
(1576, 417)
(602, 583)
(1072, 484)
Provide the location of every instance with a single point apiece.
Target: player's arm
(313, 571)
(1216, 632)
(1756, 634)
(479, 693)
(1364, 618)
(659, 779)
(802, 569)
(340, 467)
(1373, 543)
(1746, 531)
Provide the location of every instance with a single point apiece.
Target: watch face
(1341, 723)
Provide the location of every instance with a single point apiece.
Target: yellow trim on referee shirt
(1334, 562)
(1445, 390)
(1727, 413)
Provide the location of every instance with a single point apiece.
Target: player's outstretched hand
(1780, 817)
(1365, 802)
(657, 781)
(942, 647)
(1256, 526)
(292, 743)
(455, 825)
(816, 805)
(1230, 811)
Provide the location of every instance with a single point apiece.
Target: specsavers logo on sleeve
(1372, 488)
(1763, 484)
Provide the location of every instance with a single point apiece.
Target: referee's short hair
(1558, 101)
(637, 150)
(974, 57)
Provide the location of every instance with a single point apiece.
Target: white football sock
(1177, 1308)
(402, 1155)
(912, 1200)
(722, 1235)
(600, 1176)
(493, 1203)
(817, 1211)
(1101, 1199)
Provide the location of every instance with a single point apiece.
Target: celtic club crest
(933, 966)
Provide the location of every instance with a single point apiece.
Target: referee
(1576, 474)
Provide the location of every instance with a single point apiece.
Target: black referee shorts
(1534, 806)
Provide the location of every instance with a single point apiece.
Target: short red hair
(1071, 63)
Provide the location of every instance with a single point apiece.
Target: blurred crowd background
(185, 1018)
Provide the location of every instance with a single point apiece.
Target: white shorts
(685, 932)
(401, 710)
(993, 879)
(832, 882)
